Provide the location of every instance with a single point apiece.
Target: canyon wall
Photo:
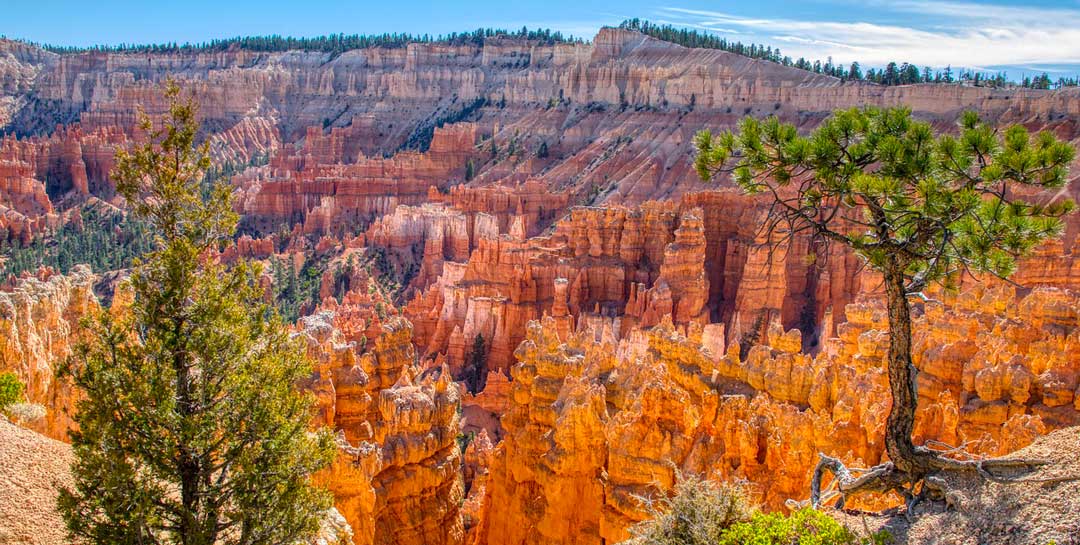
(615, 116)
(702, 260)
(595, 422)
(538, 201)
(39, 325)
(329, 189)
(397, 478)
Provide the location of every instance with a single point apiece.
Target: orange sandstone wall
(39, 325)
(398, 476)
(594, 421)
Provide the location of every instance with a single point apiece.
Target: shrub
(804, 527)
(25, 413)
(701, 512)
(11, 389)
(698, 513)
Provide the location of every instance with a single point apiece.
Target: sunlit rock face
(40, 322)
(594, 422)
(328, 187)
(615, 116)
(397, 478)
(701, 260)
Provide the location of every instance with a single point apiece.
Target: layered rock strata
(703, 260)
(331, 189)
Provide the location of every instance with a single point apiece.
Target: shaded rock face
(398, 476)
(331, 189)
(39, 326)
(35, 172)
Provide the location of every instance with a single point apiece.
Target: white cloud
(964, 34)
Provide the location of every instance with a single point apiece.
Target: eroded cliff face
(330, 188)
(398, 476)
(615, 117)
(306, 88)
(39, 325)
(595, 422)
(702, 261)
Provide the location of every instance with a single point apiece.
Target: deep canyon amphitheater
(635, 325)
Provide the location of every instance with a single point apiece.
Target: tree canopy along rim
(917, 207)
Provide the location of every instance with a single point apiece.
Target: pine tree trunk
(902, 372)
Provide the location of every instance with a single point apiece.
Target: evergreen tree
(190, 430)
(916, 207)
(334, 43)
(476, 365)
(11, 389)
(891, 75)
(855, 72)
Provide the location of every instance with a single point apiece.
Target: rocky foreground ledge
(1033, 513)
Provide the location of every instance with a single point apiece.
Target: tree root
(880, 478)
(924, 483)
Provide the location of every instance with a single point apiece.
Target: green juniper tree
(917, 207)
(11, 389)
(190, 429)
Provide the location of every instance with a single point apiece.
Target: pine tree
(476, 365)
(855, 72)
(892, 74)
(916, 207)
(190, 430)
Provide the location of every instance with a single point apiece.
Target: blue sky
(985, 34)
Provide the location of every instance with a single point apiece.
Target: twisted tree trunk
(909, 464)
(901, 421)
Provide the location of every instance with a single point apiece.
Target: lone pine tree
(917, 207)
(190, 429)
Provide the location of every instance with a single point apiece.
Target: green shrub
(804, 527)
(702, 512)
(697, 513)
(11, 389)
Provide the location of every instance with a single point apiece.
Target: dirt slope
(32, 466)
